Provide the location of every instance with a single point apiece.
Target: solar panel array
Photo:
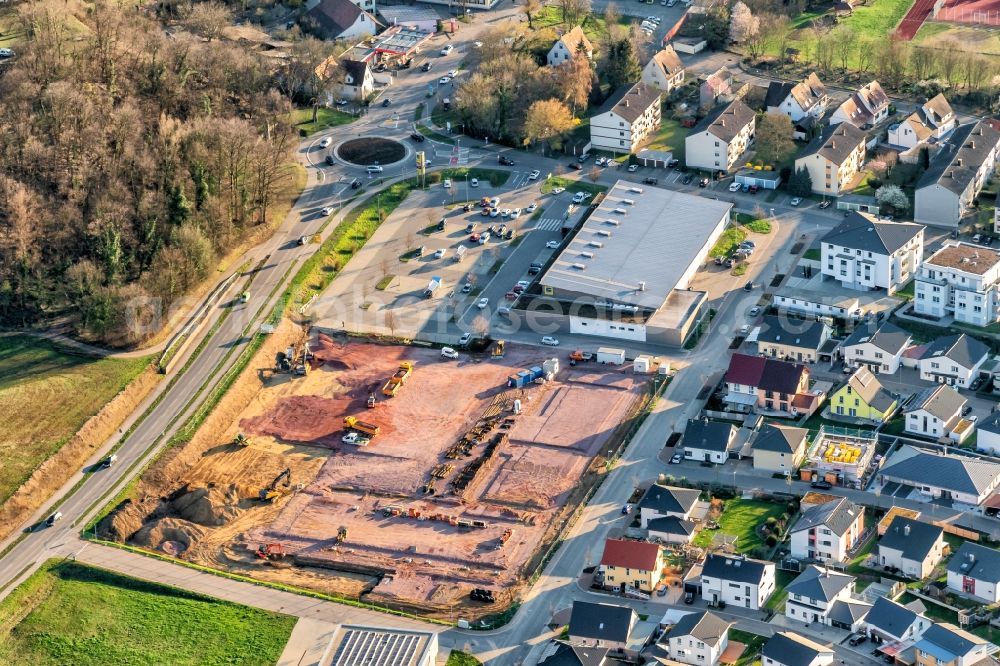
(363, 647)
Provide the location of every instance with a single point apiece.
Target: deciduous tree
(622, 64)
(742, 23)
(546, 119)
(893, 196)
(774, 138)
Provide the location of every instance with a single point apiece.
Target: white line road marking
(548, 224)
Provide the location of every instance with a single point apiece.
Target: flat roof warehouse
(639, 245)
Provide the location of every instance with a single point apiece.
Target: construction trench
(451, 489)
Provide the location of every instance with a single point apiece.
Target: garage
(764, 180)
(658, 159)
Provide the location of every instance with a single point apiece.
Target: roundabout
(370, 150)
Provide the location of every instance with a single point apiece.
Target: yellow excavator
(271, 492)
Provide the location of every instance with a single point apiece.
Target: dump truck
(395, 382)
(432, 287)
(354, 423)
(459, 254)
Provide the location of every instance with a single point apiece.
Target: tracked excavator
(271, 492)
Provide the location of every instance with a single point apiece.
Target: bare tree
(594, 174)
(865, 54)
(975, 70)
(208, 19)
(390, 322)
(949, 58)
(481, 326)
(574, 10)
(824, 52)
(922, 61)
(843, 39)
(611, 14)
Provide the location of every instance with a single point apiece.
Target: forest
(132, 156)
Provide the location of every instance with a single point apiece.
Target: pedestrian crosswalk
(548, 224)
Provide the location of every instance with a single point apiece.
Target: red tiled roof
(768, 374)
(630, 554)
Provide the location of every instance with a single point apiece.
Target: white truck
(459, 254)
(432, 287)
(610, 355)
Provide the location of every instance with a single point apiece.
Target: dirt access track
(455, 492)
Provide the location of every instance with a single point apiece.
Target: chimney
(972, 144)
(722, 122)
(833, 144)
(626, 103)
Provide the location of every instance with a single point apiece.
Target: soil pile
(172, 535)
(207, 506)
(127, 519)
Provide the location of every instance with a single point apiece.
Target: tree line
(131, 157)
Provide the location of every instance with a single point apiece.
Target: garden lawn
(302, 119)
(48, 392)
(69, 613)
(753, 642)
(571, 185)
(740, 518)
(670, 136)
(728, 241)
(456, 658)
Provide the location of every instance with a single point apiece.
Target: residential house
(938, 115)
(866, 254)
(664, 71)
(566, 654)
(720, 140)
(932, 121)
(792, 340)
(825, 597)
(826, 530)
(880, 350)
(975, 571)
(954, 360)
(756, 383)
(957, 173)
(601, 625)
(988, 437)
(716, 85)
(962, 479)
(667, 501)
(630, 564)
(737, 581)
(863, 397)
(910, 132)
(359, 82)
(864, 109)
(568, 46)
(962, 280)
(626, 119)
(671, 529)
(946, 645)
(710, 441)
(890, 622)
(911, 547)
(808, 97)
(779, 448)
(936, 412)
(340, 19)
(787, 648)
(834, 158)
(698, 639)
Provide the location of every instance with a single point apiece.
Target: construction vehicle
(271, 551)
(271, 492)
(352, 422)
(395, 382)
(341, 534)
(432, 287)
(371, 400)
(241, 440)
(498, 349)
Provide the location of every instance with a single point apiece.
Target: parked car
(6, 53)
(466, 288)
(821, 485)
(626, 509)
(745, 330)
(447, 49)
(474, 182)
(444, 80)
(580, 197)
(825, 203)
(448, 352)
(483, 302)
(857, 639)
(689, 597)
(465, 339)
(532, 207)
(703, 182)
(651, 180)
(734, 187)
(687, 179)
(632, 168)
(795, 201)
(438, 254)
(676, 459)
(550, 341)
(534, 175)
(514, 214)
(387, 101)
(552, 244)
(575, 166)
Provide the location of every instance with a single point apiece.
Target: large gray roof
(668, 499)
(705, 626)
(708, 435)
(639, 255)
(576, 655)
(779, 439)
(725, 122)
(629, 101)
(848, 612)
(951, 472)
(888, 337)
(791, 649)
(837, 514)
(735, 569)
(976, 561)
(941, 401)
(805, 333)
(816, 583)
(836, 143)
(607, 622)
(672, 525)
(913, 538)
(955, 166)
(950, 639)
(961, 348)
(990, 424)
(861, 231)
(892, 618)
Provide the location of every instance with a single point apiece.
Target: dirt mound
(127, 519)
(207, 506)
(326, 351)
(301, 418)
(170, 534)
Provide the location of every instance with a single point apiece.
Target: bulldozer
(341, 534)
(271, 492)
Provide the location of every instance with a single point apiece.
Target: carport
(765, 180)
(859, 203)
(659, 159)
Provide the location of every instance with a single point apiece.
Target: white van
(374, 169)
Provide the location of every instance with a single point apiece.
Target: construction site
(387, 473)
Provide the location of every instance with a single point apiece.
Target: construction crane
(271, 492)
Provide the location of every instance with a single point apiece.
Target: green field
(876, 20)
(741, 518)
(571, 185)
(974, 39)
(48, 393)
(73, 614)
(302, 119)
